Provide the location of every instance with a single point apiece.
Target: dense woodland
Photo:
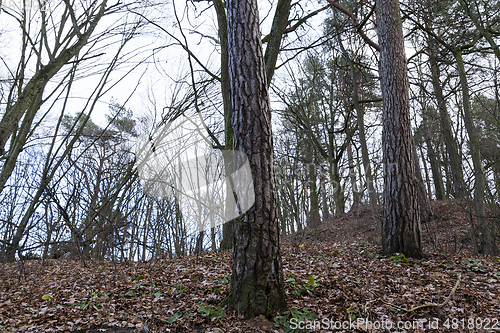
(340, 107)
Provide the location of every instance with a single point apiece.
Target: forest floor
(337, 280)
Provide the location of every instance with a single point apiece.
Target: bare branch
(356, 24)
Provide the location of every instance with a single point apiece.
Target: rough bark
(401, 220)
(278, 27)
(257, 286)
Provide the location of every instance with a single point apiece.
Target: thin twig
(448, 299)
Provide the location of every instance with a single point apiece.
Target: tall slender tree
(484, 243)
(482, 231)
(257, 285)
(401, 220)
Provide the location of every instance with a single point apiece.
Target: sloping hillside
(339, 280)
(446, 233)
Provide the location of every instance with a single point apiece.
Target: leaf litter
(327, 283)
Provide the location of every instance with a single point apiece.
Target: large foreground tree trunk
(274, 38)
(401, 221)
(257, 285)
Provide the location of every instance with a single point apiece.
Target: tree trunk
(280, 22)
(426, 170)
(324, 202)
(278, 27)
(356, 195)
(199, 242)
(228, 227)
(482, 230)
(372, 195)
(257, 285)
(338, 192)
(313, 191)
(30, 97)
(457, 177)
(436, 172)
(424, 203)
(401, 221)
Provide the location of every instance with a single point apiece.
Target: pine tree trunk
(401, 221)
(257, 285)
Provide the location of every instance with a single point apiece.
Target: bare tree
(58, 49)
(52, 49)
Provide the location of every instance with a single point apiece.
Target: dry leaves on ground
(335, 283)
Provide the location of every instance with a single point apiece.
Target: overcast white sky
(163, 62)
